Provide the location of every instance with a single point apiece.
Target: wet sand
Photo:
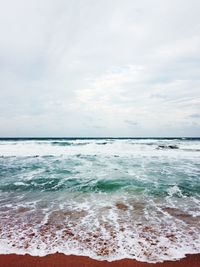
(61, 260)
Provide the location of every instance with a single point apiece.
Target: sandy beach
(61, 260)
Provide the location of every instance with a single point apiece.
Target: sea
(106, 198)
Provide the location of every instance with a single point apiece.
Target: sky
(99, 68)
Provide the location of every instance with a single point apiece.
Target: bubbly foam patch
(102, 227)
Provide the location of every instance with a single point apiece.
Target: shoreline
(62, 260)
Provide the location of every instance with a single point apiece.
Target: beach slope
(61, 260)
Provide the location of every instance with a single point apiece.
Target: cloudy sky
(99, 68)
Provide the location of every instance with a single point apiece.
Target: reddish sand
(61, 260)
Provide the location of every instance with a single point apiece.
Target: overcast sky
(99, 68)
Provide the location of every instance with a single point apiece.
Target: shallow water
(105, 198)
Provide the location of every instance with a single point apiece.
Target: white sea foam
(93, 147)
(124, 227)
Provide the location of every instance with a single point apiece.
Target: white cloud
(99, 67)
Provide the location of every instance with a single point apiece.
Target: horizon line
(96, 137)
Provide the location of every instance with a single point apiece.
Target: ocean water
(104, 198)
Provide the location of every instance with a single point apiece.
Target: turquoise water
(105, 198)
(61, 174)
